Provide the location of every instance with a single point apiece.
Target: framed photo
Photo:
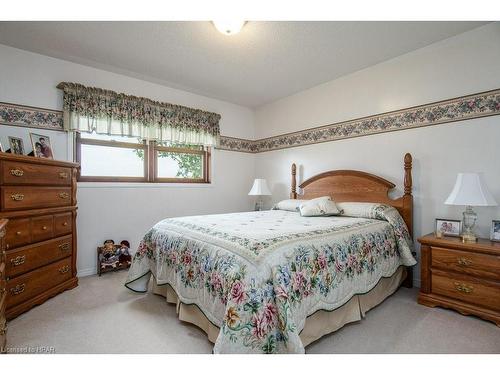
(16, 145)
(41, 146)
(449, 227)
(1, 147)
(495, 230)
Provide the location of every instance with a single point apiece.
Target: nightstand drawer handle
(63, 175)
(64, 269)
(64, 246)
(464, 288)
(464, 261)
(17, 172)
(17, 261)
(63, 195)
(17, 197)
(19, 288)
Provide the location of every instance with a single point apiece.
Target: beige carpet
(102, 316)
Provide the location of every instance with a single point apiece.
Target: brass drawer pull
(64, 269)
(64, 246)
(17, 172)
(18, 233)
(65, 224)
(63, 175)
(464, 288)
(18, 289)
(17, 261)
(464, 261)
(17, 197)
(3, 331)
(44, 228)
(63, 195)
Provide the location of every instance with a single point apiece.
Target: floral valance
(90, 109)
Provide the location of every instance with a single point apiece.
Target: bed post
(293, 193)
(408, 211)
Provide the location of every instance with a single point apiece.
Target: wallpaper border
(452, 110)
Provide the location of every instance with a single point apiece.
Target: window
(115, 158)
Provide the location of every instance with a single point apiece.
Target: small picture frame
(41, 146)
(495, 230)
(449, 227)
(16, 145)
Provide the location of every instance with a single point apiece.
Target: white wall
(465, 64)
(126, 211)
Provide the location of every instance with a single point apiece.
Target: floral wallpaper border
(452, 110)
(32, 117)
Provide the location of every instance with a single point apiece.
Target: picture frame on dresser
(449, 227)
(495, 231)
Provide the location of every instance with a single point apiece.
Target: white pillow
(323, 206)
(289, 204)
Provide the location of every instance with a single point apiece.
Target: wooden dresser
(3, 294)
(461, 276)
(38, 196)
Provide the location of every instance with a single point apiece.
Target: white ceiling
(265, 62)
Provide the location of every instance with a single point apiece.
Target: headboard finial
(293, 193)
(408, 180)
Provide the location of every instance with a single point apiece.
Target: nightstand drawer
(467, 289)
(474, 264)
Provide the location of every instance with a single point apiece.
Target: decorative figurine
(111, 257)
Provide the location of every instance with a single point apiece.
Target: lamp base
(468, 238)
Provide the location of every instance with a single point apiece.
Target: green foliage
(190, 165)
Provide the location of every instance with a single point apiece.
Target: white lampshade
(470, 190)
(259, 187)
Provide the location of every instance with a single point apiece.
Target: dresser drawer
(474, 264)
(26, 197)
(33, 283)
(20, 173)
(42, 228)
(33, 256)
(18, 233)
(467, 289)
(63, 224)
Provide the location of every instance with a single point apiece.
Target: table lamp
(470, 190)
(259, 189)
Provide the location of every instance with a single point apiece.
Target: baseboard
(87, 272)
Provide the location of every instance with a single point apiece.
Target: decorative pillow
(289, 204)
(323, 206)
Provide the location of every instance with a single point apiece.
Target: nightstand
(461, 276)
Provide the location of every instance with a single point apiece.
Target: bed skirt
(317, 325)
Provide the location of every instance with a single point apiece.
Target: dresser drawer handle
(17, 197)
(3, 331)
(17, 261)
(17, 172)
(63, 175)
(44, 228)
(65, 224)
(464, 288)
(18, 233)
(63, 195)
(19, 288)
(64, 246)
(464, 261)
(64, 269)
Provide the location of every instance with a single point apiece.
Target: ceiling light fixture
(229, 27)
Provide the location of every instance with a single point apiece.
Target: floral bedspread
(259, 275)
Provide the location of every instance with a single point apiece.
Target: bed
(274, 281)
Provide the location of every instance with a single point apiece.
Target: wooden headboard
(357, 186)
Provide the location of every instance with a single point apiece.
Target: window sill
(146, 185)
